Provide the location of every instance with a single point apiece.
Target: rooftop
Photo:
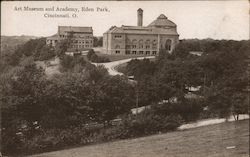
(162, 21)
(74, 29)
(55, 36)
(141, 30)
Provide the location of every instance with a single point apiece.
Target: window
(141, 42)
(127, 52)
(140, 46)
(134, 52)
(118, 36)
(147, 52)
(147, 46)
(117, 47)
(154, 46)
(117, 52)
(134, 41)
(133, 46)
(128, 41)
(154, 52)
(127, 46)
(140, 52)
(168, 45)
(147, 42)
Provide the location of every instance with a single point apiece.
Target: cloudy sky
(194, 19)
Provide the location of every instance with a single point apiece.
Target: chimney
(139, 17)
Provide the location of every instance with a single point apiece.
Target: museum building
(81, 38)
(161, 34)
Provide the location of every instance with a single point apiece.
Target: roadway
(110, 66)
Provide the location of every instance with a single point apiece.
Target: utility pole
(137, 98)
(204, 84)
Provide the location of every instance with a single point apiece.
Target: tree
(72, 63)
(63, 45)
(66, 101)
(46, 53)
(112, 96)
(239, 105)
(21, 99)
(93, 57)
(98, 41)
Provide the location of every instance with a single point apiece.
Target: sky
(194, 19)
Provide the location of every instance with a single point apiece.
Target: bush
(46, 53)
(188, 110)
(146, 123)
(93, 57)
(70, 62)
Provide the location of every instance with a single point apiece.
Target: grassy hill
(229, 139)
(10, 42)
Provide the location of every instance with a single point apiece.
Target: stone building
(141, 40)
(81, 38)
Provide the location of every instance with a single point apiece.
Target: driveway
(110, 66)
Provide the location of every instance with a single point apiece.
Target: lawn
(230, 139)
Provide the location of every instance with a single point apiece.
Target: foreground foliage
(78, 106)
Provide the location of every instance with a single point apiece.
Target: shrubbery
(188, 110)
(146, 123)
(71, 62)
(36, 48)
(93, 57)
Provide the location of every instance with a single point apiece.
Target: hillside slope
(230, 139)
(9, 43)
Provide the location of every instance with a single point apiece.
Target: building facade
(80, 38)
(161, 34)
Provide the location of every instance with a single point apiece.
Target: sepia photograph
(125, 78)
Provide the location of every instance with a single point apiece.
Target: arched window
(140, 44)
(134, 41)
(154, 44)
(117, 47)
(168, 44)
(141, 41)
(147, 42)
(128, 41)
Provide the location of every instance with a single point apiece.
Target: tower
(139, 17)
